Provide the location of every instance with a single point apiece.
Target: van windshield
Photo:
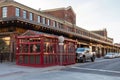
(81, 49)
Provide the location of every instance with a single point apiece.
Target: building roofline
(104, 29)
(62, 8)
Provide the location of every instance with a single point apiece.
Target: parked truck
(83, 54)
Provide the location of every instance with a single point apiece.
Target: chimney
(39, 9)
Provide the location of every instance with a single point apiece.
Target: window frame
(24, 14)
(54, 24)
(39, 19)
(4, 11)
(48, 22)
(43, 20)
(31, 16)
(17, 12)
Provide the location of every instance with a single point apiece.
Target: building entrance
(4, 48)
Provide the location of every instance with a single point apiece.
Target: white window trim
(24, 14)
(4, 12)
(54, 24)
(31, 16)
(43, 20)
(48, 22)
(39, 19)
(17, 12)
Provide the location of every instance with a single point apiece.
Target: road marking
(103, 60)
(12, 73)
(102, 70)
(92, 62)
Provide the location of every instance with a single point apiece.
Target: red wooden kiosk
(39, 50)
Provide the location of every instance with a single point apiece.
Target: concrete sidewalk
(11, 67)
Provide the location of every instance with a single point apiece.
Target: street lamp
(61, 43)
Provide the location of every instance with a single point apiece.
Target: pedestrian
(1, 57)
(34, 48)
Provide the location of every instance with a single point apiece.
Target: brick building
(16, 18)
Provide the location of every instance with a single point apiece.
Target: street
(101, 69)
(108, 67)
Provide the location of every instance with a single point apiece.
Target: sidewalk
(7, 68)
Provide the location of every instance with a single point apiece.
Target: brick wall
(0, 12)
(11, 11)
(67, 15)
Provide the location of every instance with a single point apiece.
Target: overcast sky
(90, 14)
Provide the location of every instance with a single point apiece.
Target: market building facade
(16, 19)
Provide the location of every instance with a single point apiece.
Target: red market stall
(39, 50)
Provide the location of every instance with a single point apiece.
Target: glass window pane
(4, 12)
(17, 12)
(54, 24)
(43, 20)
(31, 16)
(39, 19)
(48, 22)
(24, 14)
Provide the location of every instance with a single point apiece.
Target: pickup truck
(83, 54)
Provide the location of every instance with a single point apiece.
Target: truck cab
(83, 54)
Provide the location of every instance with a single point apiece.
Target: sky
(90, 14)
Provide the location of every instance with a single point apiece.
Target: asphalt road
(109, 67)
(101, 69)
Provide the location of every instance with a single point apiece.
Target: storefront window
(4, 44)
(48, 48)
(71, 48)
(35, 48)
(24, 48)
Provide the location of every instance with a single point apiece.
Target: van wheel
(93, 58)
(79, 60)
(83, 60)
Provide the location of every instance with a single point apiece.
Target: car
(109, 55)
(116, 55)
(83, 54)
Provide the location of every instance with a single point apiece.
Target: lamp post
(61, 40)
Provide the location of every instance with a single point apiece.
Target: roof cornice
(62, 8)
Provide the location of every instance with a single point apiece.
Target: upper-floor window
(54, 24)
(31, 16)
(17, 10)
(43, 20)
(4, 12)
(39, 19)
(48, 21)
(57, 25)
(60, 26)
(24, 14)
